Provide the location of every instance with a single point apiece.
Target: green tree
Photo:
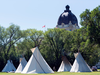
(73, 41)
(35, 36)
(11, 35)
(8, 38)
(23, 48)
(52, 45)
(32, 38)
(91, 21)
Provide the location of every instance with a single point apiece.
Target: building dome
(66, 17)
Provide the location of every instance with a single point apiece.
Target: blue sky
(36, 13)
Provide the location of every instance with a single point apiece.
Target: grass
(56, 73)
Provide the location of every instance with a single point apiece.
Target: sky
(33, 14)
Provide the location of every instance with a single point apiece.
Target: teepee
(37, 63)
(21, 66)
(80, 65)
(65, 65)
(9, 67)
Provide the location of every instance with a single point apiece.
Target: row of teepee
(37, 64)
(79, 64)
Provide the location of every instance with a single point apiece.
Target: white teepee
(21, 65)
(37, 64)
(80, 65)
(9, 67)
(65, 65)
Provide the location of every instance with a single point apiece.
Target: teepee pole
(78, 50)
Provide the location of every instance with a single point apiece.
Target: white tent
(9, 67)
(37, 64)
(80, 65)
(65, 65)
(21, 66)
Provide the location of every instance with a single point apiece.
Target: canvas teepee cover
(21, 65)
(65, 65)
(9, 67)
(80, 65)
(37, 64)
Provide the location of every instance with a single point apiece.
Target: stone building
(67, 20)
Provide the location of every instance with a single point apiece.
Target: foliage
(52, 46)
(31, 39)
(35, 36)
(8, 38)
(91, 21)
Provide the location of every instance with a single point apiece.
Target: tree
(52, 45)
(9, 37)
(31, 39)
(35, 36)
(23, 48)
(91, 21)
(2, 30)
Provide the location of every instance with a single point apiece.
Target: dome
(66, 17)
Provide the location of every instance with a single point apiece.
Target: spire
(67, 7)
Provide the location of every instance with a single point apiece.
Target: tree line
(15, 42)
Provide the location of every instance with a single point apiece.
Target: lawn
(56, 73)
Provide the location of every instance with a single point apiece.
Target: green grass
(56, 73)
